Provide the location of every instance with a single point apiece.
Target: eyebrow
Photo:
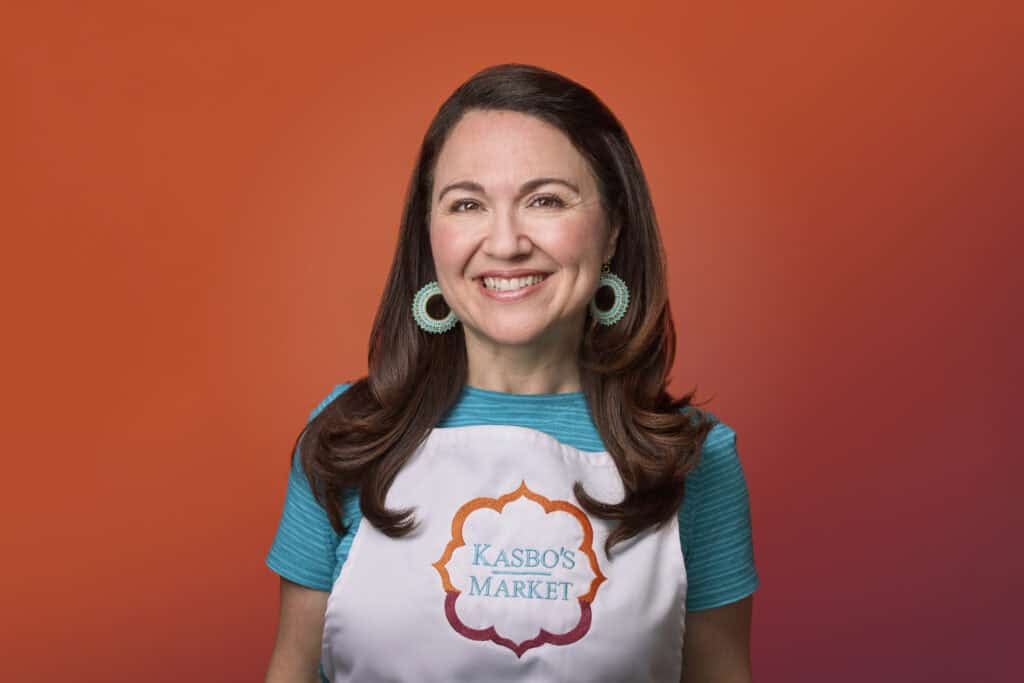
(526, 187)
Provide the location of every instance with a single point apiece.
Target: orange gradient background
(200, 203)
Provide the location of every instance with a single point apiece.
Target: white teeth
(508, 284)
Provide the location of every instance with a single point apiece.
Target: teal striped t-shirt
(714, 519)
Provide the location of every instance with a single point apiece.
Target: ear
(613, 241)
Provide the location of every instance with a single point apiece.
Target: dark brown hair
(365, 435)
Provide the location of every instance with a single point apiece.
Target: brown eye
(553, 201)
(457, 206)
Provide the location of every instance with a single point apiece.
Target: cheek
(453, 251)
(447, 247)
(577, 242)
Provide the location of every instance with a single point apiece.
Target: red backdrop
(200, 205)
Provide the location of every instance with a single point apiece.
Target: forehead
(504, 148)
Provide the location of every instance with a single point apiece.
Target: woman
(502, 497)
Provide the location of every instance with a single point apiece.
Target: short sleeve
(714, 526)
(304, 548)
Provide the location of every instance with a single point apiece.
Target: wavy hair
(365, 435)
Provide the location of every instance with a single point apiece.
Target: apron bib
(505, 578)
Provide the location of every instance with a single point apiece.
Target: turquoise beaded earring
(427, 322)
(618, 309)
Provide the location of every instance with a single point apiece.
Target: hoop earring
(426, 322)
(618, 309)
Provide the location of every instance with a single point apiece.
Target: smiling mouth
(513, 284)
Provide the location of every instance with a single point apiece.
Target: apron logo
(520, 571)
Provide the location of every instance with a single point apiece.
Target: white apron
(506, 578)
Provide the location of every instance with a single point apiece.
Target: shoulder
(337, 391)
(719, 447)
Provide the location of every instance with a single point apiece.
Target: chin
(512, 333)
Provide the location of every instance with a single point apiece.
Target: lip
(513, 295)
(521, 272)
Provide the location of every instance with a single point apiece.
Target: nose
(506, 238)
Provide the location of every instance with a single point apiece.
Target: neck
(537, 367)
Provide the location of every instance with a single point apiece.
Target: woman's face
(513, 199)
